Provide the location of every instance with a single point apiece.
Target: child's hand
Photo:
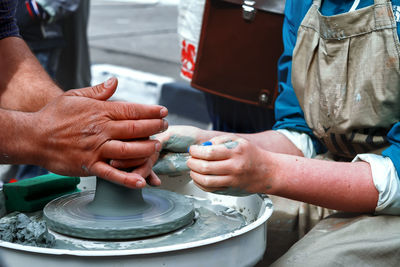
(230, 164)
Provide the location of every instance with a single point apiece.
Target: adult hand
(79, 132)
(231, 164)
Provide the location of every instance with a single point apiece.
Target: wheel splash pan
(249, 240)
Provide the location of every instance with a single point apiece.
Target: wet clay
(114, 200)
(172, 164)
(178, 143)
(211, 221)
(117, 212)
(237, 192)
(32, 231)
(231, 144)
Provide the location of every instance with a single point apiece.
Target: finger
(153, 179)
(127, 163)
(100, 92)
(117, 150)
(134, 111)
(227, 139)
(162, 137)
(205, 167)
(105, 171)
(213, 152)
(136, 129)
(144, 170)
(211, 181)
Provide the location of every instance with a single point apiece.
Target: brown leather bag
(240, 44)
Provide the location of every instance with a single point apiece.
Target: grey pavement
(141, 35)
(136, 35)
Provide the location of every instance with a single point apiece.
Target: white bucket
(242, 247)
(189, 26)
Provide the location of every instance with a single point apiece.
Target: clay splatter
(231, 144)
(237, 192)
(178, 143)
(19, 228)
(172, 164)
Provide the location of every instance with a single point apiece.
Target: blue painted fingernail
(208, 143)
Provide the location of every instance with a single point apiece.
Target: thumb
(101, 91)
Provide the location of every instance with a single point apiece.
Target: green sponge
(33, 194)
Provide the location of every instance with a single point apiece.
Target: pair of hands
(99, 137)
(231, 165)
(79, 133)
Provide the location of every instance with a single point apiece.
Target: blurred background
(137, 41)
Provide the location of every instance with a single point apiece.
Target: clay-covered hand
(175, 144)
(79, 132)
(179, 138)
(231, 165)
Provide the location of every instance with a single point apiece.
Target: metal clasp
(264, 99)
(249, 10)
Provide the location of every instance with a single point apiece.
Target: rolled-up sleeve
(288, 113)
(8, 25)
(385, 170)
(393, 152)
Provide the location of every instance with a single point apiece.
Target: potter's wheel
(180, 248)
(117, 212)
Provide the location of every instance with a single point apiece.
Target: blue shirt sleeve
(393, 152)
(288, 113)
(287, 109)
(8, 25)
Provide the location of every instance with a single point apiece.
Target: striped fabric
(8, 25)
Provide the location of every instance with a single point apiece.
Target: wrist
(274, 172)
(16, 141)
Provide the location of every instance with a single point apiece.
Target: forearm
(273, 141)
(16, 140)
(335, 185)
(24, 84)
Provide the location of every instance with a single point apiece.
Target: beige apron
(345, 73)
(346, 77)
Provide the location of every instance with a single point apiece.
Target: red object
(28, 7)
(188, 55)
(13, 180)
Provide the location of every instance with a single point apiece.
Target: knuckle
(206, 181)
(107, 174)
(208, 153)
(240, 150)
(132, 111)
(97, 89)
(204, 167)
(133, 128)
(124, 148)
(239, 167)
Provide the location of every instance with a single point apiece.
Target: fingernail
(139, 184)
(158, 147)
(163, 112)
(208, 143)
(109, 82)
(165, 124)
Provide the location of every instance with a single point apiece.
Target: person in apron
(331, 163)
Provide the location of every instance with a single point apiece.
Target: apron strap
(317, 3)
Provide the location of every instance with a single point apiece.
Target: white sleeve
(386, 181)
(302, 141)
